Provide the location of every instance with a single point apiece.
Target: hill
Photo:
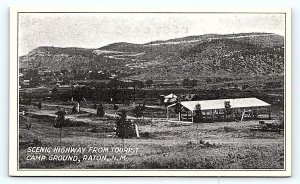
(243, 55)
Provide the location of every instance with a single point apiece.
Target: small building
(26, 82)
(215, 109)
(187, 97)
(171, 98)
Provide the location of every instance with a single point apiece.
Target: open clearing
(162, 144)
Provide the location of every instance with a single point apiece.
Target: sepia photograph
(184, 93)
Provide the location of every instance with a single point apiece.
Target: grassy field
(162, 144)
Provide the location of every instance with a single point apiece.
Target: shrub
(229, 129)
(145, 134)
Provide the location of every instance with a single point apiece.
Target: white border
(13, 98)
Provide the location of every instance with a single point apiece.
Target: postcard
(118, 91)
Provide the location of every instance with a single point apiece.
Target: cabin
(212, 110)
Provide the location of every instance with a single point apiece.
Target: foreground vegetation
(162, 144)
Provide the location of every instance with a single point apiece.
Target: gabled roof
(220, 104)
(171, 96)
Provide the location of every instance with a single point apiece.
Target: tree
(138, 111)
(178, 109)
(116, 107)
(185, 82)
(139, 84)
(31, 74)
(74, 109)
(100, 110)
(40, 105)
(161, 99)
(227, 109)
(121, 125)
(198, 114)
(125, 128)
(197, 118)
(189, 83)
(78, 94)
(208, 80)
(54, 92)
(114, 84)
(59, 121)
(149, 83)
(193, 83)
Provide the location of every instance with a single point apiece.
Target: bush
(206, 144)
(138, 111)
(145, 134)
(100, 110)
(229, 129)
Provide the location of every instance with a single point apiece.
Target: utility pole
(72, 88)
(133, 93)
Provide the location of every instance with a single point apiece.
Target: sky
(94, 30)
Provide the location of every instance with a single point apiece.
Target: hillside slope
(234, 55)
